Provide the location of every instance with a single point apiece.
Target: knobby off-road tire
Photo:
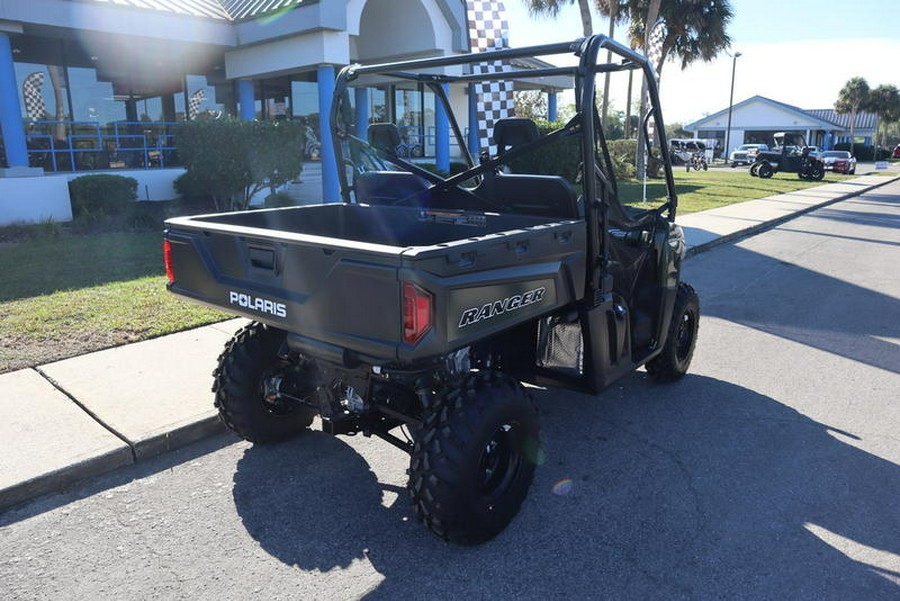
(474, 459)
(673, 362)
(249, 359)
(765, 170)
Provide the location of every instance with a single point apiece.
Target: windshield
(836, 154)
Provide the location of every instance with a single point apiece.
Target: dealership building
(99, 85)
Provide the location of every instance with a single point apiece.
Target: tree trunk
(59, 129)
(586, 24)
(612, 32)
(649, 24)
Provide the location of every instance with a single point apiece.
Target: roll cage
(599, 194)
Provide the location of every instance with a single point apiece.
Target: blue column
(246, 99)
(552, 113)
(362, 112)
(10, 111)
(330, 188)
(474, 142)
(441, 134)
(868, 140)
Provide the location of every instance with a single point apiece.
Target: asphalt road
(771, 471)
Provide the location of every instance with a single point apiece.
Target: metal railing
(88, 145)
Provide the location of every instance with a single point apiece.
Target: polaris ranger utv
(415, 309)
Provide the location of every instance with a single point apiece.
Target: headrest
(514, 132)
(384, 136)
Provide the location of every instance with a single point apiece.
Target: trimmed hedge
(865, 153)
(102, 195)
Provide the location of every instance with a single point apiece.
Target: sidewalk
(70, 420)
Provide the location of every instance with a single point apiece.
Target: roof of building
(863, 120)
(824, 116)
(226, 10)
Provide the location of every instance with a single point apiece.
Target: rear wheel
(257, 391)
(673, 362)
(474, 458)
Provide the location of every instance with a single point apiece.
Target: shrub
(865, 153)
(102, 195)
(278, 200)
(564, 158)
(231, 160)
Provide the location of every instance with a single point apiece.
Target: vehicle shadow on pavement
(698, 489)
(788, 295)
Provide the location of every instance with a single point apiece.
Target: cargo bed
(333, 275)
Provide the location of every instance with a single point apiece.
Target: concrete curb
(773, 223)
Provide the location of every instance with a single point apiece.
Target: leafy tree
(531, 104)
(884, 101)
(852, 98)
(231, 160)
(551, 8)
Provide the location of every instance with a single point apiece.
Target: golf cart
(790, 155)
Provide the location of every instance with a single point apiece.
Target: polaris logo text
(263, 305)
(499, 307)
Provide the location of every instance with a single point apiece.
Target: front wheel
(754, 168)
(673, 362)
(765, 171)
(258, 393)
(474, 458)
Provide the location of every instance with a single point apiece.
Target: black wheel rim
(499, 463)
(685, 336)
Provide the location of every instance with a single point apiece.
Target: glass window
(94, 100)
(202, 99)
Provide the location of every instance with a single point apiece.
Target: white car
(745, 154)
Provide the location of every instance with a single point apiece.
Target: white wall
(37, 199)
(34, 199)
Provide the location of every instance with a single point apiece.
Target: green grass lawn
(65, 292)
(66, 295)
(703, 190)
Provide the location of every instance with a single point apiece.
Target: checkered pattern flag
(194, 103)
(33, 95)
(488, 30)
(655, 42)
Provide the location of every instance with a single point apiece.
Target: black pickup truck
(415, 309)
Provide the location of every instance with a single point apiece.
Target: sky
(799, 52)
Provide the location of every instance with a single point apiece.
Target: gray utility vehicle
(414, 309)
(790, 155)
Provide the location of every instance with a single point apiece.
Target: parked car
(745, 154)
(840, 161)
(896, 153)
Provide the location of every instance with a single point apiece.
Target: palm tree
(851, 99)
(615, 11)
(551, 8)
(884, 101)
(693, 30)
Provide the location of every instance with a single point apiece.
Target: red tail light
(416, 312)
(167, 257)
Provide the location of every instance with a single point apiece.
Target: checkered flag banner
(34, 96)
(655, 42)
(194, 103)
(488, 30)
